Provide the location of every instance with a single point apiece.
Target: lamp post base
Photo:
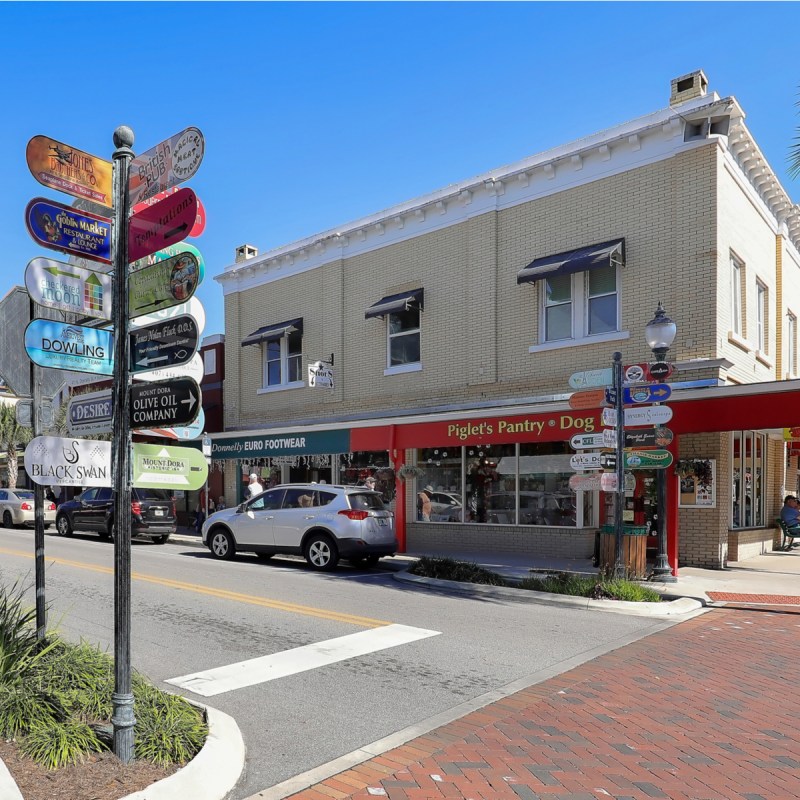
(663, 574)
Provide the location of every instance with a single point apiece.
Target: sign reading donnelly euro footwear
(58, 461)
(58, 345)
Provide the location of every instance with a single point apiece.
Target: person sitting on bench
(790, 513)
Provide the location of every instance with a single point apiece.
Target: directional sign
(91, 413)
(60, 227)
(583, 461)
(587, 441)
(654, 437)
(67, 288)
(641, 459)
(24, 413)
(163, 284)
(194, 308)
(158, 466)
(169, 163)
(161, 225)
(184, 432)
(607, 481)
(192, 369)
(165, 344)
(200, 221)
(61, 346)
(154, 405)
(593, 398)
(171, 252)
(62, 167)
(57, 461)
(646, 393)
(591, 377)
(647, 415)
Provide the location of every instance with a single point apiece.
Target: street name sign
(164, 344)
(191, 369)
(193, 308)
(646, 415)
(646, 393)
(59, 461)
(654, 437)
(166, 223)
(640, 459)
(591, 398)
(183, 432)
(157, 404)
(588, 441)
(170, 252)
(57, 345)
(163, 284)
(157, 466)
(169, 163)
(200, 221)
(90, 413)
(59, 227)
(584, 461)
(68, 288)
(59, 166)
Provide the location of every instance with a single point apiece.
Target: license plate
(158, 512)
(381, 521)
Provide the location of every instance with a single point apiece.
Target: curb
(681, 605)
(8, 786)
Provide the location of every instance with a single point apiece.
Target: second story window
(282, 353)
(761, 314)
(403, 315)
(736, 295)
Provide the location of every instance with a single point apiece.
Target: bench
(789, 535)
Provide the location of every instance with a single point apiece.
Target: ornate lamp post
(660, 334)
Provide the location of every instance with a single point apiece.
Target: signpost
(633, 373)
(646, 393)
(59, 227)
(90, 414)
(67, 288)
(158, 466)
(193, 308)
(25, 415)
(592, 398)
(172, 403)
(166, 223)
(74, 347)
(183, 432)
(163, 284)
(165, 344)
(169, 163)
(53, 460)
(638, 417)
(59, 166)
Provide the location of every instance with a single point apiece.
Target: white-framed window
(761, 316)
(282, 360)
(210, 361)
(580, 305)
(736, 295)
(791, 343)
(403, 332)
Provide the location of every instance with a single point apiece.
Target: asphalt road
(192, 613)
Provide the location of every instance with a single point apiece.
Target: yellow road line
(223, 594)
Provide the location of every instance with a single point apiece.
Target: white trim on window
(281, 387)
(401, 368)
(736, 296)
(284, 359)
(407, 333)
(599, 339)
(791, 339)
(762, 305)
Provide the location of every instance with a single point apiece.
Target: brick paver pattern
(759, 599)
(704, 710)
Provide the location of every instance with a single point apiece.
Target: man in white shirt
(254, 487)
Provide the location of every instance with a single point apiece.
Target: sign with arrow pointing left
(159, 405)
(165, 344)
(68, 288)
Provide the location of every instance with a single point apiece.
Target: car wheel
(63, 526)
(8, 521)
(372, 560)
(221, 545)
(161, 539)
(321, 553)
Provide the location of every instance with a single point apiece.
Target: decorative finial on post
(123, 136)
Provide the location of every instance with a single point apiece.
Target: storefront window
(440, 482)
(749, 472)
(356, 468)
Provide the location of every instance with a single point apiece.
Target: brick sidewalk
(700, 711)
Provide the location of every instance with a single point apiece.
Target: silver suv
(318, 521)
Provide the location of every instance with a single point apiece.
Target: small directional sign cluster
(643, 446)
(167, 321)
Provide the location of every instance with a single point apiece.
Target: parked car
(16, 508)
(321, 522)
(153, 514)
(445, 507)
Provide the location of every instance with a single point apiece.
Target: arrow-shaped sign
(163, 284)
(58, 285)
(164, 344)
(648, 415)
(161, 225)
(60, 227)
(157, 466)
(647, 393)
(171, 404)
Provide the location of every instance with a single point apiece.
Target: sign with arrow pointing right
(165, 344)
(159, 405)
(161, 225)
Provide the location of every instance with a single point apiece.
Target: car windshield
(370, 501)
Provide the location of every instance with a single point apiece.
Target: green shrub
(596, 587)
(24, 705)
(59, 744)
(448, 569)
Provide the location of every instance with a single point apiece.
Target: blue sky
(315, 114)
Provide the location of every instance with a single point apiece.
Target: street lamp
(660, 334)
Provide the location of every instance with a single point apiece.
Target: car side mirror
(240, 508)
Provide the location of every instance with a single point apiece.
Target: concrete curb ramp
(210, 775)
(668, 608)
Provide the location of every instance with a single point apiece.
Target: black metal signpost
(164, 405)
(619, 567)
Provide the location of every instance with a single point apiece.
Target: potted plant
(410, 471)
(698, 468)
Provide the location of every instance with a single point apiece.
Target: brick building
(454, 321)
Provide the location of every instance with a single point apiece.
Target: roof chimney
(687, 87)
(245, 251)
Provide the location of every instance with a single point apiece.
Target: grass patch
(597, 587)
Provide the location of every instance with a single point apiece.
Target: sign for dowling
(56, 461)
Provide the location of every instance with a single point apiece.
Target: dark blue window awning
(580, 260)
(396, 302)
(274, 331)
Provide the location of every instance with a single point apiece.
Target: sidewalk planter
(634, 550)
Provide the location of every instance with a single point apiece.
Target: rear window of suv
(370, 501)
(150, 494)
